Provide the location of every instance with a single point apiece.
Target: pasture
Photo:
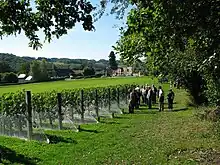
(82, 83)
(146, 137)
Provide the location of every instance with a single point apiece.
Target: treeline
(13, 63)
(44, 69)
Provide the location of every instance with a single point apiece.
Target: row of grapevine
(59, 109)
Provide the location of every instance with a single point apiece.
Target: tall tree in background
(25, 68)
(44, 70)
(112, 61)
(36, 70)
(89, 71)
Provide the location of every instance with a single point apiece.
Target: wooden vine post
(81, 106)
(97, 105)
(3, 119)
(118, 97)
(29, 115)
(59, 102)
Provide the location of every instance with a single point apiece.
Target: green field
(146, 137)
(82, 83)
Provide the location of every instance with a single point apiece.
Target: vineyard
(27, 115)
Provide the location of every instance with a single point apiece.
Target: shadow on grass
(154, 108)
(121, 117)
(109, 122)
(54, 139)
(145, 112)
(87, 130)
(9, 156)
(179, 109)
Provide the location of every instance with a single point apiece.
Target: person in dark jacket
(161, 99)
(154, 94)
(138, 97)
(132, 101)
(170, 98)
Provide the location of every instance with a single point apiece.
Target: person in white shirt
(149, 97)
(143, 93)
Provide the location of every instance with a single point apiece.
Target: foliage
(14, 103)
(25, 68)
(88, 71)
(39, 70)
(4, 67)
(176, 38)
(36, 70)
(15, 62)
(10, 78)
(54, 18)
(21, 64)
(44, 70)
(112, 61)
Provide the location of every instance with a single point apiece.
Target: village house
(21, 78)
(123, 71)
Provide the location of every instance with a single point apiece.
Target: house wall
(21, 80)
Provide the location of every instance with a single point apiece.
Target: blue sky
(76, 44)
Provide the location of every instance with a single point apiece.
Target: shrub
(10, 78)
(209, 114)
(88, 71)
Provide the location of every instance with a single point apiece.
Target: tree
(36, 70)
(112, 61)
(157, 29)
(54, 18)
(89, 71)
(4, 67)
(39, 70)
(10, 78)
(44, 70)
(25, 68)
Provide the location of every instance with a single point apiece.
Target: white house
(123, 71)
(29, 78)
(21, 78)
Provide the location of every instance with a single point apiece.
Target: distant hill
(15, 62)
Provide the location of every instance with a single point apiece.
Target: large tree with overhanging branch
(178, 37)
(53, 17)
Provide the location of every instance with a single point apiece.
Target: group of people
(148, 95)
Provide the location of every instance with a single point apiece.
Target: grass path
(146, 137)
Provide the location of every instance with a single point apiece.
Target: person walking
(154, 94)
(143, 93)
(132, 101)
(146, 92)
(161, 99)
(138, 96)
(170, 98)
(149, 97)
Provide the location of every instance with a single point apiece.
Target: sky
(76, 44)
